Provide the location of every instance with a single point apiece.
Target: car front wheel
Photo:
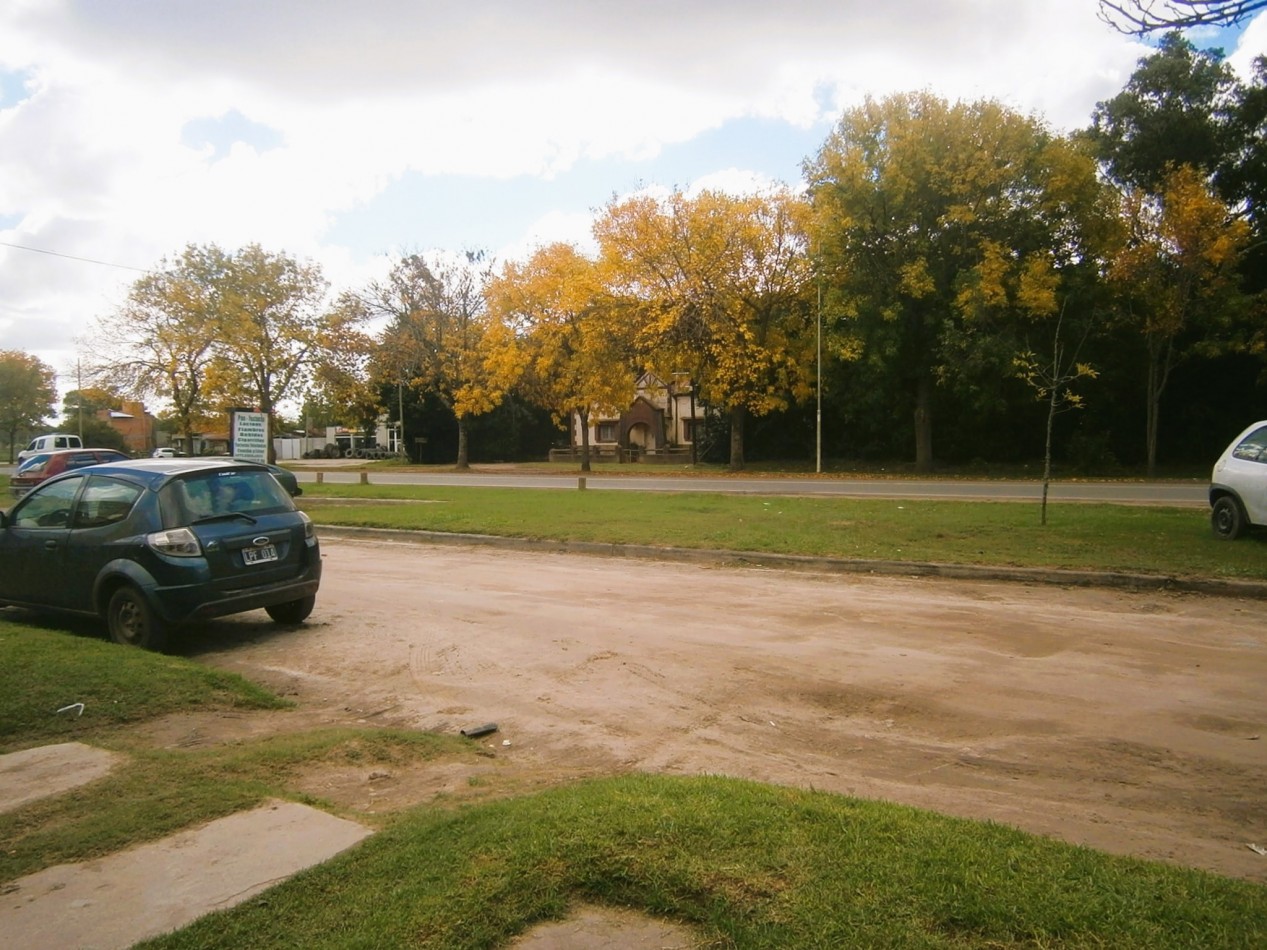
(1227, 519)
(293, 611)
(132, 621)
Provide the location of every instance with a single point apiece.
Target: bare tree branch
(1138, 17)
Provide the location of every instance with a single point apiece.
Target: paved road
(1177, 493)
(1183, 494)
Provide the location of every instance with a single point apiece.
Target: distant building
(133, 423)
(660, 424)
(202, 443)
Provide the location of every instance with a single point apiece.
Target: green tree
(720, 286)
(162, 341)
(930, 220)
(96, 433)
(83, 405)
(90, 399)
(342, 390)
(438, 336)
(28, 390)
(1243, 175)
(1178, 108)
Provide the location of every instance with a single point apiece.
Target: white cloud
(1251, 45)
(94, 161)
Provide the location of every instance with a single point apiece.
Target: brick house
(133, 423)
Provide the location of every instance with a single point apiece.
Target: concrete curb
(1117, 580)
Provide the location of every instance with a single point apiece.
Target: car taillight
(178, 542)
(308, 532)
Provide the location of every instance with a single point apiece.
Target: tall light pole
(79, 381)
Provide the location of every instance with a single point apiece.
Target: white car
(164, 453)
(53, 442)
(1238, 485)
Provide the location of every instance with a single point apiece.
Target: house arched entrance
(642, 437)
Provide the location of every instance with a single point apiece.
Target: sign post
(250, 436)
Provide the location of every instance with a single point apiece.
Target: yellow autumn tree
(718, 284)
(270, 324)
(562, 338)
(1175, 276)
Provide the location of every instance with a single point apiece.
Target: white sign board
(250, 436)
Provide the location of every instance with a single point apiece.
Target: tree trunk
(1153, 400)
(585, 439)
(1053, 402)
(924, 425)
(737, 417)
(1159, 363)
(462, 464)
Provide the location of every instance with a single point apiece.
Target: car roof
(79, 451)
(154, 471)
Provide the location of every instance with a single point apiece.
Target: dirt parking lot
(1131, 722)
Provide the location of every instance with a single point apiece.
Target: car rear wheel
(293, 611)
(1227, 519)
(132, 621)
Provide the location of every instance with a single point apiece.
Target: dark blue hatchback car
(153, 543)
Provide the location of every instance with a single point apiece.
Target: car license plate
(259, 555)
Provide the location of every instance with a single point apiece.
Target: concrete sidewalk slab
(49, 770)
(148, 890)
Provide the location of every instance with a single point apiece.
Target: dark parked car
(283, 475)
(288, 480)
(151, 544)
(44, 465)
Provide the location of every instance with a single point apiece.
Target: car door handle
(50, 545)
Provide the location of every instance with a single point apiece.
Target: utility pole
(79, 397)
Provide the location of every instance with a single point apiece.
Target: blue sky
(348, 133)
(455, 211)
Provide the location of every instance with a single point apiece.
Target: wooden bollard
(365, 477)
(321, 477)
(580, 483)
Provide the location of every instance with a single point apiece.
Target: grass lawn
(1167, 541)
(749, 865)
(47, 670)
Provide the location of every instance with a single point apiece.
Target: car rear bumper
(180, 604)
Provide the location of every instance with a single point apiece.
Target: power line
(72, 257)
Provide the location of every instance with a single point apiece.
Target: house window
(688, 430)
(607, 432)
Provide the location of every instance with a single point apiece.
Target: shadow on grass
(188, 640)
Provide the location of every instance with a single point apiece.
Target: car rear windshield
(217, 493)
